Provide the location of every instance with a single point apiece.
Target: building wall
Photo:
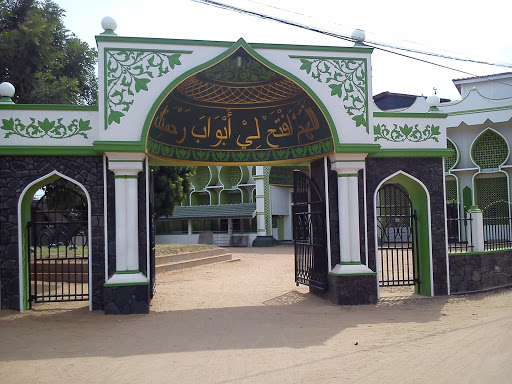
(19, 171)
(429, 171)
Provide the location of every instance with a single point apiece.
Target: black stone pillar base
(350, 289)
(126, 299)
(264, 241)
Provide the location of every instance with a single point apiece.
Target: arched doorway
(54, 245)
(397, 237)
(403, 233)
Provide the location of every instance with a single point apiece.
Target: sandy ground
(246, 322)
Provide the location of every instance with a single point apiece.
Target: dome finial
(109, 25)
(6, 93)
(358, 35)
(433, 101)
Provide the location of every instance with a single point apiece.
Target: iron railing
(459, 234)
(497, 226)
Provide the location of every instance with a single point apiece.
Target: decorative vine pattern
(248, 156)
(406, 133)
(347, 78)
(54, 129)
(129, 72)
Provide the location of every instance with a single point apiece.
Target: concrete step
(188, 260)
(173, 258)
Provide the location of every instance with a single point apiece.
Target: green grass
(172, 249)
(46, 252)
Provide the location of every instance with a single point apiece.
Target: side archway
(24, 216)
(420, 201)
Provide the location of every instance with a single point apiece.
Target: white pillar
(260, 201)
(477, 229)
(230, 227)
(126, 167)
(347, 167)
(190, 227)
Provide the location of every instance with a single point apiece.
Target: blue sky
(446, 27)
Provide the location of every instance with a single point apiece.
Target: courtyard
(245, 321)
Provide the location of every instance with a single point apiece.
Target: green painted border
(125, 284)
(420, 152)
(215, 60)
(97, 148)
(26, 213)
(19, 150)
(471, 111)
(350, 263)
(227, 44)
(483, 253)
(357, 148)
(49, 107)
(411, 115)
(118, 146)
(354, 274)
(129, 272)
(419, 200)
(348, 175)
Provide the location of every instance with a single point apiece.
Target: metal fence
(497, 226)
(459, 234)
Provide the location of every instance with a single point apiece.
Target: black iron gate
(58, 245)
(397, 237)
(309, 235)
(152, 229)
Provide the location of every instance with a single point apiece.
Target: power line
(378, 43)
(375, 45)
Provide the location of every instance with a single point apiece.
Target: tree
(45, 62)
(171, 185)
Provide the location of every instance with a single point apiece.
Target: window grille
(230, 176)
(490, 151)
(451, 190)
(201, 178)
(489, 190)
(450, 162)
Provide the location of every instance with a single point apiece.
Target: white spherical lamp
(358, 35)
(433, 101)
(6, 93)
(109, 24)
(7, 90)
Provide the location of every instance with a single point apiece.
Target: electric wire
(372, 44)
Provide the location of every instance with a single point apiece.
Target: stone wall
(16, 172)
(430, 172)
(349, 289)
(470, 272)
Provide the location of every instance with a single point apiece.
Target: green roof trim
(420, 152)
(430, 115)
(227, 44)
(49, 107)
(223, 211)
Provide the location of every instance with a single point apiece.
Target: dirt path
(247, 322)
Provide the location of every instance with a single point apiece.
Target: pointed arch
(24, 208)
(420, 199)
(495, 156)
(452, 161)
(160, 149)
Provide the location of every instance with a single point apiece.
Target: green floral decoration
(239, 67)
(347, 80)
(54, 129)
(128, 73)
(406, 133)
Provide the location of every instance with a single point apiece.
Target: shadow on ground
(293, 320)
